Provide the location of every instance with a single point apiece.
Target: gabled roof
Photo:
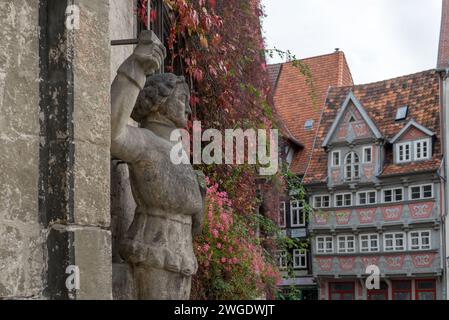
(366, 118)
(420, 92)
(412, 123)
(296, 101)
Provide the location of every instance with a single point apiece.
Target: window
(421, 192)
(366, 197)
(421, 151)
(282, 215)
(297, 217)
(308, 124)
(402, 290)
(393, 195)
(352, 167)
(288, 154)
(335, 158)
(282, 259)
(346, 244)
(324, 244)
(380, 294)
(343, 200)
(421, 148)
(369, 242)
(403, 153)
(299, 259)
(341, 291)
(367, 154)
(394, 241)
(419, 240)
(425, 290)
(321, 201)
(401, 114)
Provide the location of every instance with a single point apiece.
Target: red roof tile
(293, 97)
(420, 92)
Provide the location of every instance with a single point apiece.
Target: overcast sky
(381, 39)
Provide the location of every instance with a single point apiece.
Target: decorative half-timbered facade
(375, 185)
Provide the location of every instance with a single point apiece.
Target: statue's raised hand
(150, 52)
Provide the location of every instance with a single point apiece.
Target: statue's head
(164, 97)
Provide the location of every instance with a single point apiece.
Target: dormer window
(352, 166)
(416, 144)
(421, 149)
(413, 151)
(403, 152)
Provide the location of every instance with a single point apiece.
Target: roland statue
(169, 197)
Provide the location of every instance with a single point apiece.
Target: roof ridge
(362, 85)
(308, 58)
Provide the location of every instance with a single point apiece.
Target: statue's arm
(126, 141)
(124, 93)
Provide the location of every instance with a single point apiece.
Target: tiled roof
(443, 52)
(293, 97)
(420, 92)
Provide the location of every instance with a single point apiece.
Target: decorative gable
(412, 131)
(352, 123)
(412, 143)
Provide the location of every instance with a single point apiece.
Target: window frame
(301, 214)
(302, 254)
(397, 152)
(346, 242)
(282, 205)
(421, 191)
(420, 240)
(332, 290)
(333, 165)
(367, 198)
(321, 196)
(353, 165)
(433, 290)
(307, 127)
(369, 242)
(325, 241)
(370, 148)
(393, 194)
(282, 255)
(394, 290)
(415, 149)
(343, 200)
(394, 241)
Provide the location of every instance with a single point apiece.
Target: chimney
(443, 51)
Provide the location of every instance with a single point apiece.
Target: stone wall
(21, 238)
(54, 150)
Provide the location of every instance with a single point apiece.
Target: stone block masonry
(54, 150)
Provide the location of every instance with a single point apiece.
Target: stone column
(21, 240)
(54, 149)
(123, 25)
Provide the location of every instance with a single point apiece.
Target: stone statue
(169, 197)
